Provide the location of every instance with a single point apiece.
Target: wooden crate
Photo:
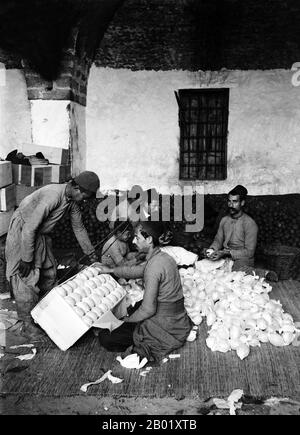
(32, 175)
(60, 173)
(60, 321)
(5, 217)
(8, 197)
(59, 156)
(5, 173)
(40, 175)
(35, 175)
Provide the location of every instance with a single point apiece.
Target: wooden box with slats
(8, 197)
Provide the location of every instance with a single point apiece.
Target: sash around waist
(171, 307)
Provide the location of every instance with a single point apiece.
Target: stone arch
(56, 67)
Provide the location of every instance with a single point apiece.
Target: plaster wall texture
(15, 117)
(78, 138)
(50, 123)
(132, 132)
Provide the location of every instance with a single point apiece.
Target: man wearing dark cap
(237, 236)
(31, 266)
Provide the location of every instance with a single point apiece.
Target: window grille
(203, 121)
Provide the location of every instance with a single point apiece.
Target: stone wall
(202, 34)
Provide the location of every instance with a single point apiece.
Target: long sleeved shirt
(161, 280)
(239, 236)
(40, 212)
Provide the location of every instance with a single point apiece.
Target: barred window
(203, 121)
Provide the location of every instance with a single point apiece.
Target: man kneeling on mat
(160, 324)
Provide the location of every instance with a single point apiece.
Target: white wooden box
(7, 197)
(60, 156)
(59, 320)
(40, 175)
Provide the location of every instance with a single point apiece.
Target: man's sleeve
(130, 272)
(80, 231)
(149, 305)
(39, 214)
(251, 231)
(218, 242)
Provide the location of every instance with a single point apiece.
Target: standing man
(237, 237)
(31, 266)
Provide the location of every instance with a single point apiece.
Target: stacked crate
(30, 178)
(7, 196)
(7, 207)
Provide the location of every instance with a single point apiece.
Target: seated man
(160, 324)
(237, 237)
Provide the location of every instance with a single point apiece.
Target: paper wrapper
(110, 320)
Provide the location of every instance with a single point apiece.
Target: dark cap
(88, 180)
(239, 190)
(154, 229)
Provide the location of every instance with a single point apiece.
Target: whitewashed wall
(50, 123)
(15, 118)
(133, 134)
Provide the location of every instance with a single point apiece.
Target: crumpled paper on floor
(232, 403)
(21, 345)
(296, 341)
(145, 372)
(27, 357)
(174, 355)
(107, 375)
(132, 361)
(1, 355)
(275, 401)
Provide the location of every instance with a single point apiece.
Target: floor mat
(268, 371)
